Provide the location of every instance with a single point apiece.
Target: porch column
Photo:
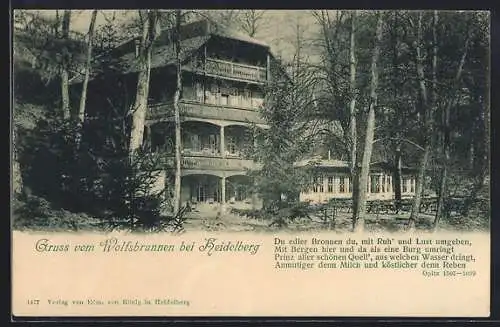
(222, 142)
(223, 194)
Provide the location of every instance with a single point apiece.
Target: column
(223, 194)
(222, 142)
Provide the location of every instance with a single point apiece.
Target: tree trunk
(83, 97)
(64, 65)
(177, 95)
(446, 136)
(360, 209)
(397, 176)
(17, 180)
(352, 107)
(427, 130)
(141, 99)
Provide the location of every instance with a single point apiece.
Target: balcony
(214, 163)
(235, 70)
(205, 110)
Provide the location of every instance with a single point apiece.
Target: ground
(210, 219)
(231, 222)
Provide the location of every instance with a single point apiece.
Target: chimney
(137, 47)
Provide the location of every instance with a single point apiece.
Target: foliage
(107, 185)
(285, 141)
(35, 213)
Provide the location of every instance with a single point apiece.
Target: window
(212, 143)
(231, 145)
(315, 185)
(404, 186)
(350, 184)
(224, 99)
(383, 184)
(412, 185)
(318, 185)
(375, 184)
(201, 193)
(234, 99)
(330, 184)
(195, 143)
(320, 182)
(342, 184)
(199, 92)
(247, 98)
(389, 183)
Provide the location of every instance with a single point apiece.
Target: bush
(35, 213)
(97, 178)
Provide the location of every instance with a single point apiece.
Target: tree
(290, 135)
(428, 124)
(446, 141)
(83, 96)
(360, 208)
(138, 112)
(251, 21)
(177, 120)
(352, 106)
(225, 19)
(65, 64)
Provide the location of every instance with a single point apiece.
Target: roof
(233, 34)
(164, 54)
(333, 163)
(322, 163)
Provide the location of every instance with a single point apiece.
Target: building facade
(224, 75)
(223, 79)
(332, 180)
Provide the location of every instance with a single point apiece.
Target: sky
(278, 31)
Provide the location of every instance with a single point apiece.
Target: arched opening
(239, 141)
(200, 138)
(240, 192)
(161, 137)
(201, 189)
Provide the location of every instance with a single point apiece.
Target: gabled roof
(233, 34)
(164, 55)
(197, 34)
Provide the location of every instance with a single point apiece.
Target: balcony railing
(207, 163)
(207, 111)
(235, 70)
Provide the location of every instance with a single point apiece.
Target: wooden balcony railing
(235, 70)
(208, 163)
(204, 110)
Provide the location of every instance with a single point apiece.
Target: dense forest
(402, 86)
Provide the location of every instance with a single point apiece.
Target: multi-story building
(223, 79)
